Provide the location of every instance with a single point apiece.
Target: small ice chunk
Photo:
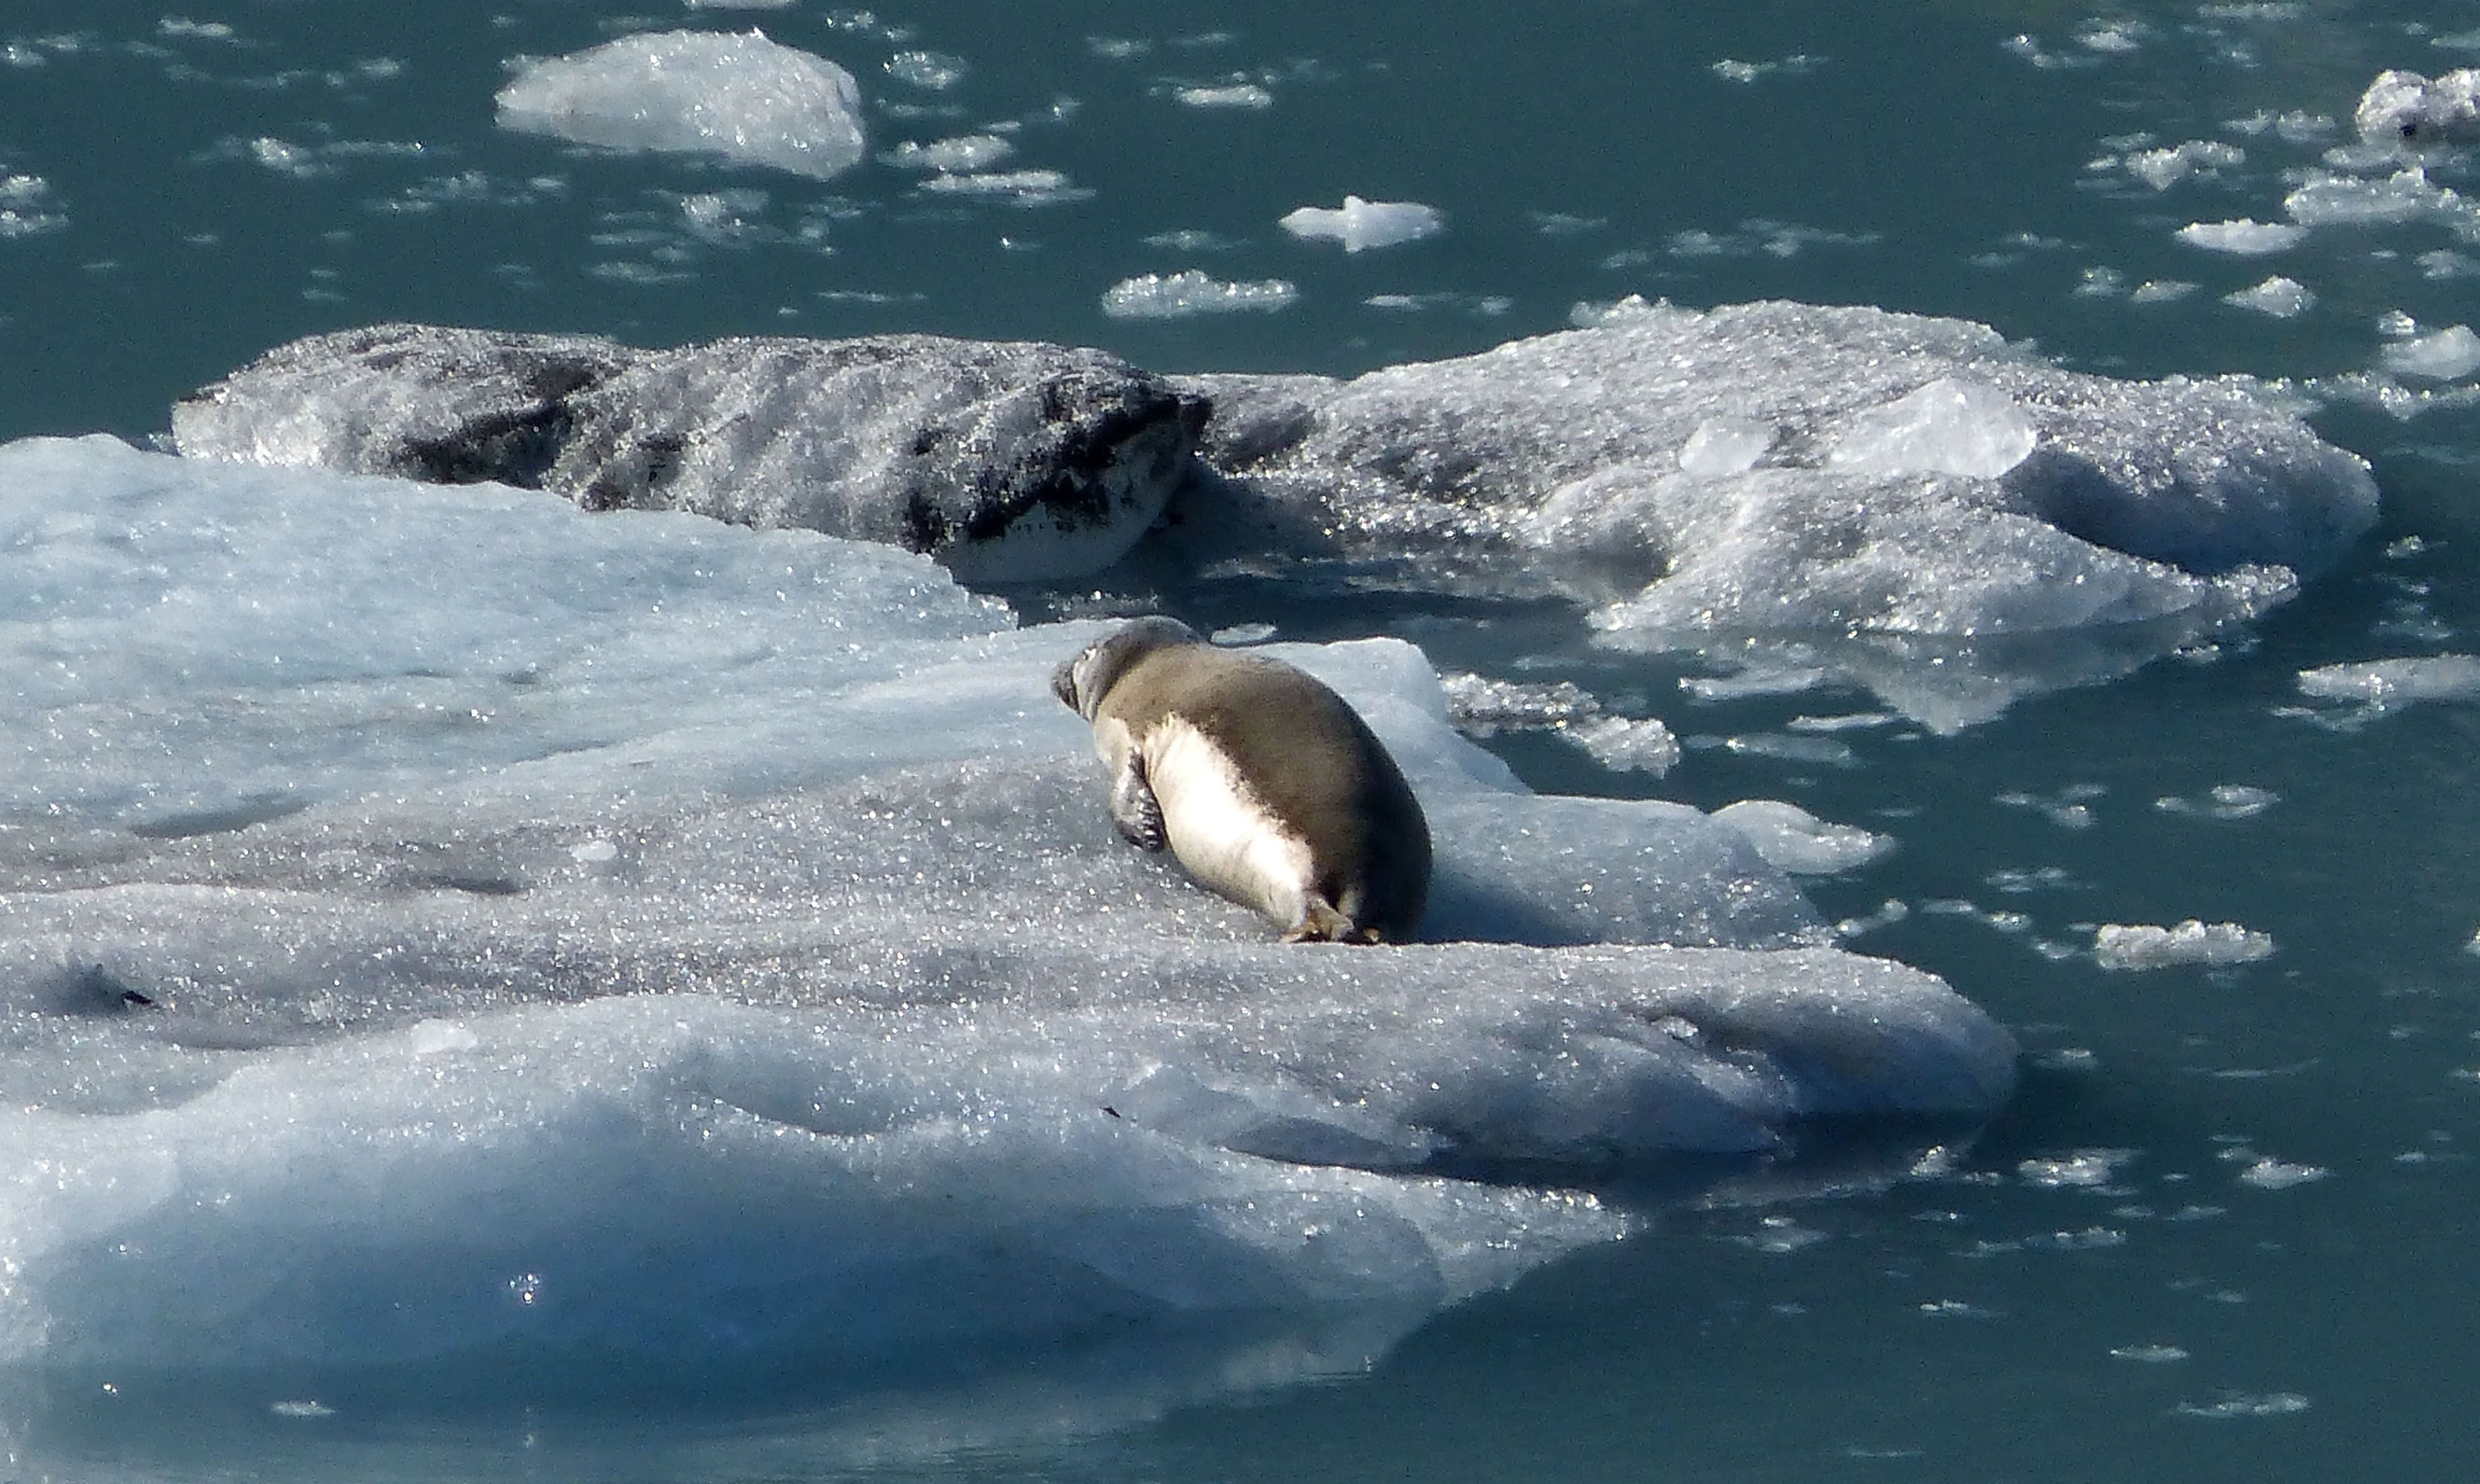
(1483, 707)
(700, 91)
(1360, 225)
(1024, 188)
(594, 852)
(2238, 1404)
(2447, 355)
(1226, 96)
(2225, 801)
(1794, 839)
(1638, 744)
(2407, 108)
(2160, 291)
(2282, 297)
(2082, 1169)
(2245, 237)
(2384, 683)
(1175, 296)
(2270, 1174)
(2115, 37)
(1948, 427)
(964, 155)
(2119, 946)
(934, 71)
(1724, 446)
(27, 207)
(304, 1408)
(1244, 634)
(2406, 195)
(2148, 1355)
(2163, 169)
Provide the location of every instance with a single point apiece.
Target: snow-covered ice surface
(742, 97)
(474, 931)
(1852, 488)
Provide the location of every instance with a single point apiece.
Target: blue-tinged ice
(742, 97)
(440, 923)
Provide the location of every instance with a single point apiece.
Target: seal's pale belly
(1220, 832)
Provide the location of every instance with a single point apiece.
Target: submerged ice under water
(491, 989)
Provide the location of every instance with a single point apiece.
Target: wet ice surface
(1851, 487)
(533, 923)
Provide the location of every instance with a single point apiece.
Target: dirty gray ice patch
(1006, 461)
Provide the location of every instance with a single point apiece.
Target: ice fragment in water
(2390, 683)
(1948, 427)
(965, 154)
(1628, 743)
(27, 207)
(2407, 108)
(2244, 1405)
(2403, 196)
(1801, 843)
(1360, 225)
(2447, 355)
(1192, 291)
(2119, 945)
(1226, 96)
(2271, 1174)
(2245, 237)
(2082, 1169)
(742, 97)
(1024, 188)
(2282, 297)
(935, 71)
(2163, 169)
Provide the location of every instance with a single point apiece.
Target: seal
(1265, 784)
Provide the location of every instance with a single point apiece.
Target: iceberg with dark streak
(1006, 461)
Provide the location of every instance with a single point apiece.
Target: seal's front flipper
(1134, 807)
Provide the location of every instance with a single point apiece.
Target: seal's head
(1081, 682)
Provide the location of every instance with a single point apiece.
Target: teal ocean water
(2224, 1230)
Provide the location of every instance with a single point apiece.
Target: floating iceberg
(2407, 108)
(1008, 462)
(471, 933)
(1360, 225)
(2447, 354)
(1873, 490)
(2244, 237)
(697, 92)
(1191, 291)
(2119, 945)
(1908, 503)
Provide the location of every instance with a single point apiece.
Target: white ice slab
(740, 95)
(439, 920)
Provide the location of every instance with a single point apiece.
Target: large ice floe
(1007, 461)
(442, 928)
(742, 97)
(1911, 502)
